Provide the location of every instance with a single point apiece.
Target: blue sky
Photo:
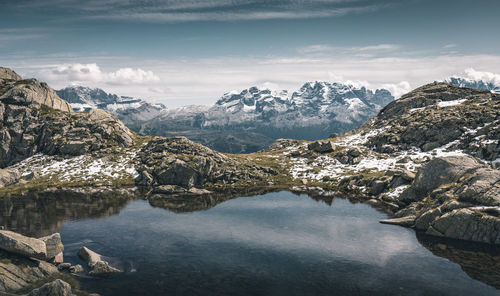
(191, 52)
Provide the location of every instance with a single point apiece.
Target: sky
(181, 52)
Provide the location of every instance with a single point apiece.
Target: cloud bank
(92, 73)
(487, 77)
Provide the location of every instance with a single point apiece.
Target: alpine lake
(277, 243)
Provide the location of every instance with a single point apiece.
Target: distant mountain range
(244, 121)
(251, 119)
(479, 84)
(127, 109)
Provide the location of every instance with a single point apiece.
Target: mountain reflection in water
(41, 215)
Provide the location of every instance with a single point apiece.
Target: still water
(272, 244)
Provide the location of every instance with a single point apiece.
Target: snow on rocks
(79, 168)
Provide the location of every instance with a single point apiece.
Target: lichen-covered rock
(469, 224)
(437, 172)
(55, 288)
(54, 245)
(22, 245)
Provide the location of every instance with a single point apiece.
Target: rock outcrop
(456, 197)
(27, 246)
(178, 161)
(17, 272)
(34, 119)
(440, 114)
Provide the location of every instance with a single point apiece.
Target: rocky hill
(430, 158)
(44, 144)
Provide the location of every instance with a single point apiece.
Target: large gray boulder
(483, 188)
(55, 288)
(438, 172)
(474, 224)
(22, 245)
(54, 245)
(32, 92)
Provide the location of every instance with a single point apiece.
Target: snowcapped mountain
(128, 109)
(315, 111)
(315, 103)
(249, 119)
(479, 84)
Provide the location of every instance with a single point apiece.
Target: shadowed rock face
(34, 119)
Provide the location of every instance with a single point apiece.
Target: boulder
(321, 147)
(22, 245)
(17, 272)
(30, 92)
(483, 188)
(8, 177)
(98, 267)
(468, 224)
(103, 269)
(89, 256)
(55, 288)
(377, 187)
(179, 173)
(54, 245)
(437, 172)
(75, 268)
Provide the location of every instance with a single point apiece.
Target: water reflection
(43, 214)
(479, 261)
(310, 246)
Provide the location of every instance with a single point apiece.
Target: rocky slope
(429, 158)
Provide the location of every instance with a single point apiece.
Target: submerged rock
(22, 245)
(98, 267)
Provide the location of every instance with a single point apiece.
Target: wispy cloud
(208, 10)
(13, 35)
(360, 50)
